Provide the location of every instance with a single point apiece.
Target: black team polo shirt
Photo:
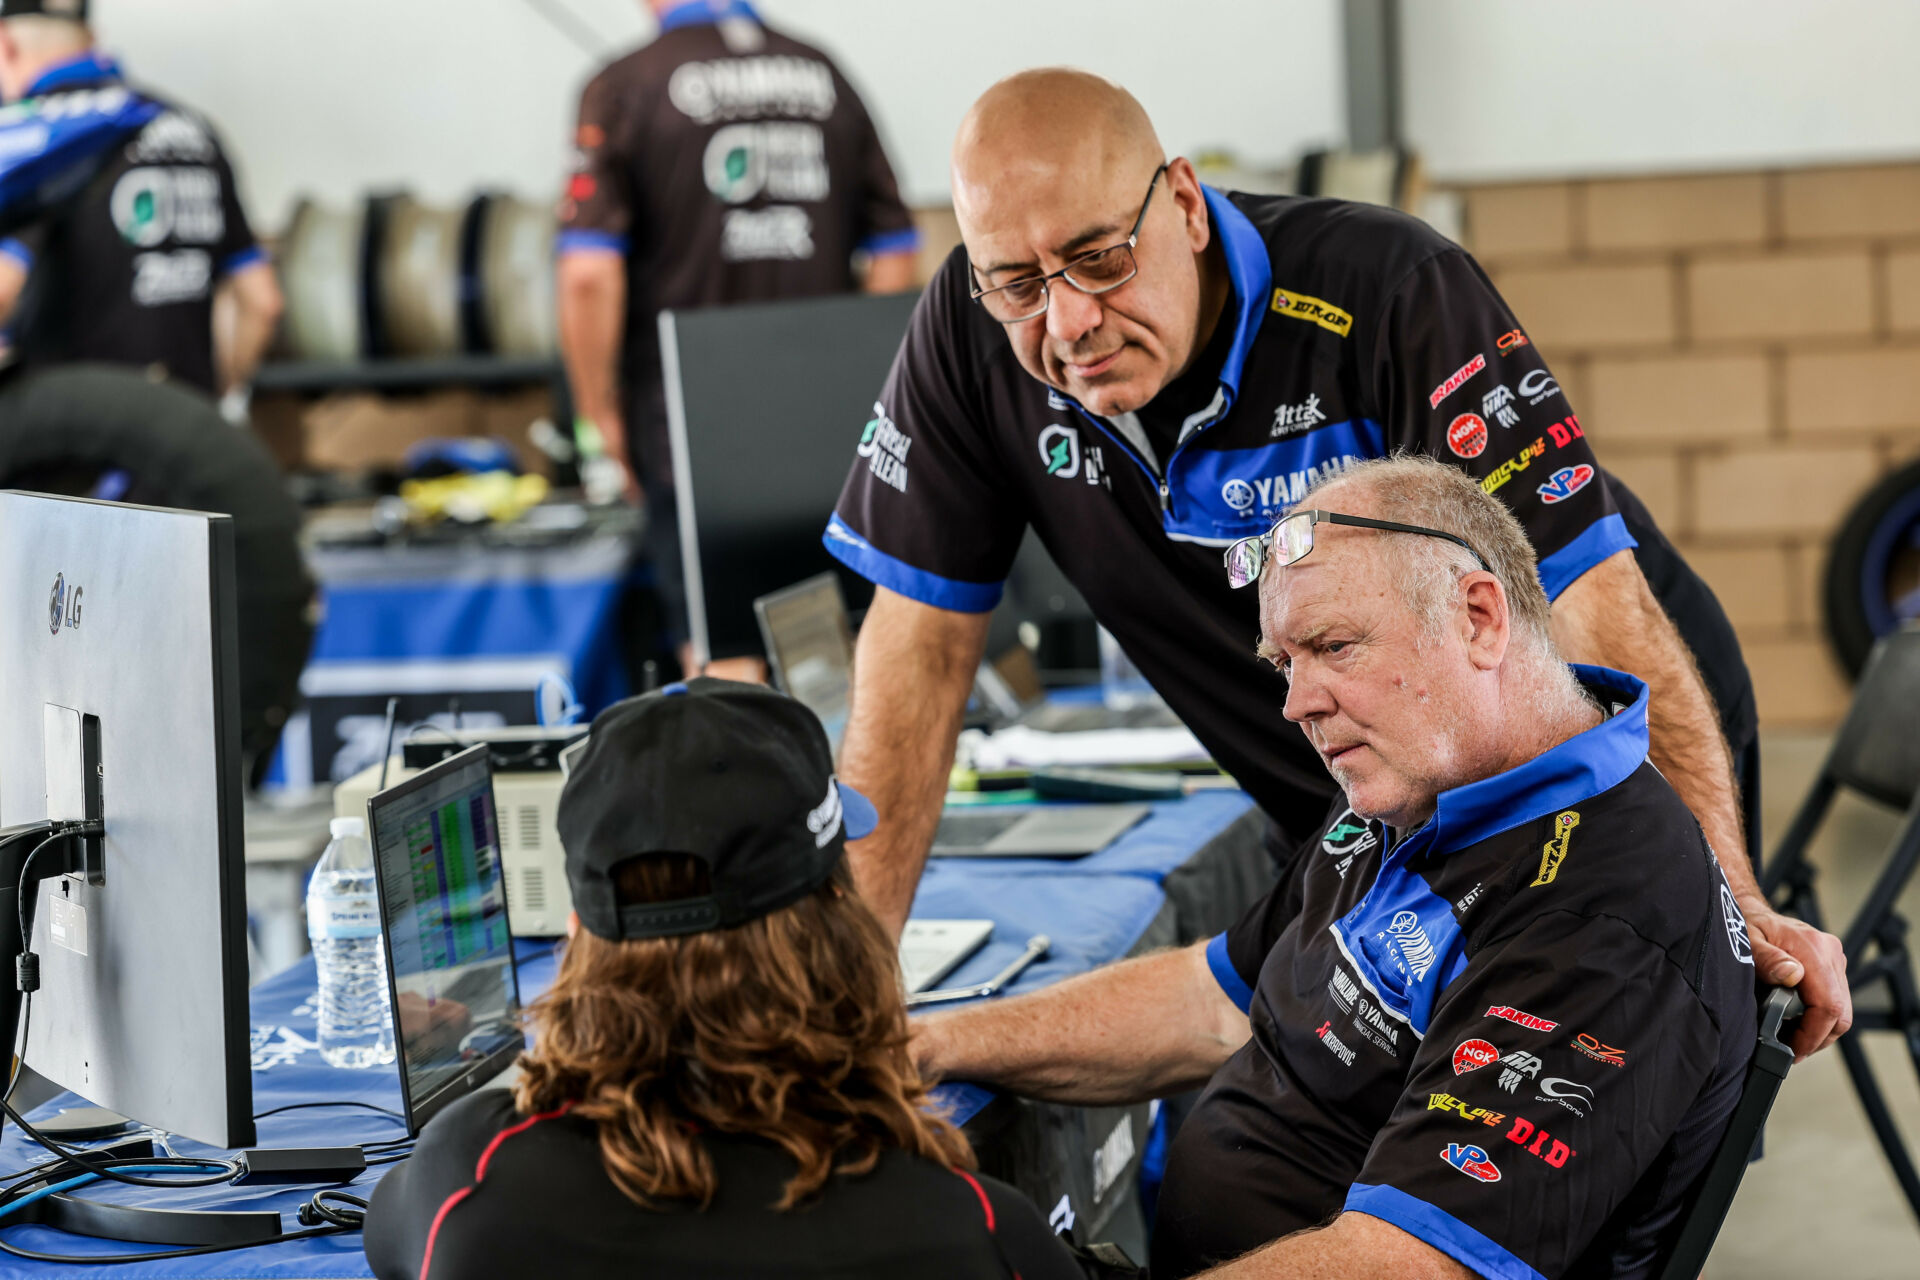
(1516, 1032)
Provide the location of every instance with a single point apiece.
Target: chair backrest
(1877, 751)
(1700, 1222)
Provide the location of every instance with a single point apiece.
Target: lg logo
(63, 607)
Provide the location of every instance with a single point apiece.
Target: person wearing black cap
(719, 1081)
(121, 216)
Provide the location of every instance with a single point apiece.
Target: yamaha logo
(63, 606)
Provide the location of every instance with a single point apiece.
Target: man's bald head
(1055, 164)
(1048, 125)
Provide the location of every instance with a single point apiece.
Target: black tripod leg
(1881, 1119)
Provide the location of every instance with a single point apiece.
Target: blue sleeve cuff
(18, 251)
(900, 241)
(589, 242)
(881, 569)
(1440, 1229)
(245, 258)
(1602, 538)
(1226, 975)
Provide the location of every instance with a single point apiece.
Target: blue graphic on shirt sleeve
(901, 241)
(1602, 538)
(1226, 975)
(881, 569)
(589, 242)
(245, 258)
(1440, 1229)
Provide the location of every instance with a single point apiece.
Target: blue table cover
(1092, 909)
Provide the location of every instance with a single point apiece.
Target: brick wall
(1744, 350)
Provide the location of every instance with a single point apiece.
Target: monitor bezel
(420, 1110)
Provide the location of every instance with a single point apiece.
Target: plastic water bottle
(343, 923)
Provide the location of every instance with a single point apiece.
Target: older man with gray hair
(1494, 1016)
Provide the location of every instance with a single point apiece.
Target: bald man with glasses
(1150, 373)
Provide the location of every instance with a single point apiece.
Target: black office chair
(1876, 753)
(1708, 1208)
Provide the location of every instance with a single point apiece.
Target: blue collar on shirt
(1251, 275)
(696, 12)
(1583, 766)
(89, 68)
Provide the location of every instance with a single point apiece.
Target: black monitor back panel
(766, 403)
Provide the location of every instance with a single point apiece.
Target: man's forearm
(1609, 617)
(911, 674)
(592, 308)
(1139, 1029)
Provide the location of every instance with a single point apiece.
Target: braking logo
(63, 606)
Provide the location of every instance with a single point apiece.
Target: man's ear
(573, 924)
(1489, 624)
(1183, 184)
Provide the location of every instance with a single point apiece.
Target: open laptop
(443, 911)
(810, 649)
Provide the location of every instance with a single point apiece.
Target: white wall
(338, 96)
(1517, 88)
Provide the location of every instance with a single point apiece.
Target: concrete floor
(1822, 1203)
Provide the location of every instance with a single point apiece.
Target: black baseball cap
(735, 775)
(74, 9)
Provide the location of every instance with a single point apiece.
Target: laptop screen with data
(443, 904)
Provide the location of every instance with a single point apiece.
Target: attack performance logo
(1471, 1161)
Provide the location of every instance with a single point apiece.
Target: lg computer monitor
(443, 908)
(120, 619)
(765, 405)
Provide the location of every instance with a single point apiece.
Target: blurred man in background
(144, 228)
(725, 162)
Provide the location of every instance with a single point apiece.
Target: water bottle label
(350, 916)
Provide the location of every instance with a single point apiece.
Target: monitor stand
(68, 1212)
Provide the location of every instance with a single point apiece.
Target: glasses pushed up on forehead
(1291, 538)
(1095, 272)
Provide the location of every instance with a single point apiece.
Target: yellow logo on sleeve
(1554, 852)
(1313, 311)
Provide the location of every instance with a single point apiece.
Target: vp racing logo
(1060, 451)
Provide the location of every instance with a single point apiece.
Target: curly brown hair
(790, 1028)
